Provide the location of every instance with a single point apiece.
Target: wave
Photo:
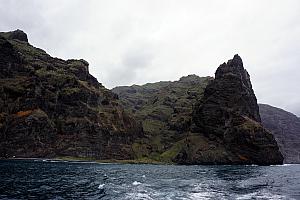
(136, 183)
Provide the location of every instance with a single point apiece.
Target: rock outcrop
(285, 126)
(229, 95)
(51, 107)
(229, 111)
(15, 35)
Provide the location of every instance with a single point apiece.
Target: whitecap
(136, 183)
(101, 186)
(284, 165)
(54, 161)
(289, 164)
(260, 195)
(134, 195)
(201, 195)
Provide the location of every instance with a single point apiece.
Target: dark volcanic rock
(286, 128)
(52, 107)
(229, 95)
(15, 35)
(229, 111)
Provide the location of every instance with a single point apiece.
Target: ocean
(46, 179)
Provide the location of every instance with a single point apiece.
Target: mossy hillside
(194, 146)
(165, 111)
(85, 118)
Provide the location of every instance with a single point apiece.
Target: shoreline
(114, 161)
(89, 160)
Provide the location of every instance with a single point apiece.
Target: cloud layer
(135, 42)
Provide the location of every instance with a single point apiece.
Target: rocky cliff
(229, 111)
(202, 120)
(51, 107)
(286, 128)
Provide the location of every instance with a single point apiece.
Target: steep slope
(167, 108)
(229, 111)
(52, 107)
(168, 103)
(286, 128)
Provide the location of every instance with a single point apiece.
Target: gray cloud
(139, 41)
(132, 62)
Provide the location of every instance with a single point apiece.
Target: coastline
(143, 161)
(90, 160)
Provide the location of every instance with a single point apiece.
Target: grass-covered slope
(165, 110)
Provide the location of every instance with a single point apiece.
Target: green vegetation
(153, 126)
(30, 53)
(171, 153)
(70, 91)
(165, 111)
(85, 159)
(250, 124)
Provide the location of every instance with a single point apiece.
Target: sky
(139, 41)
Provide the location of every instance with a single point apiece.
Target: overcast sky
(135, 42)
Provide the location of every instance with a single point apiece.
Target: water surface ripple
(38, 179)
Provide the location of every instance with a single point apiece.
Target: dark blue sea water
(29, 179)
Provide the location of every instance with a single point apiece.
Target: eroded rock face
(230, 94)
(229, 111)
(52, 107)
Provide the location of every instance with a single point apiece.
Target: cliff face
(229, 95)
(52, 107)
(201, 120)
(286, 128)
(229, 111)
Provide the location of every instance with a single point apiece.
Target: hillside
(286, 128)
(165, 110)
(170, 117)
(51, 107)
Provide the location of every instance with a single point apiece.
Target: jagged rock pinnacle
(232, 90)
(233, 66)
(229, 111)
